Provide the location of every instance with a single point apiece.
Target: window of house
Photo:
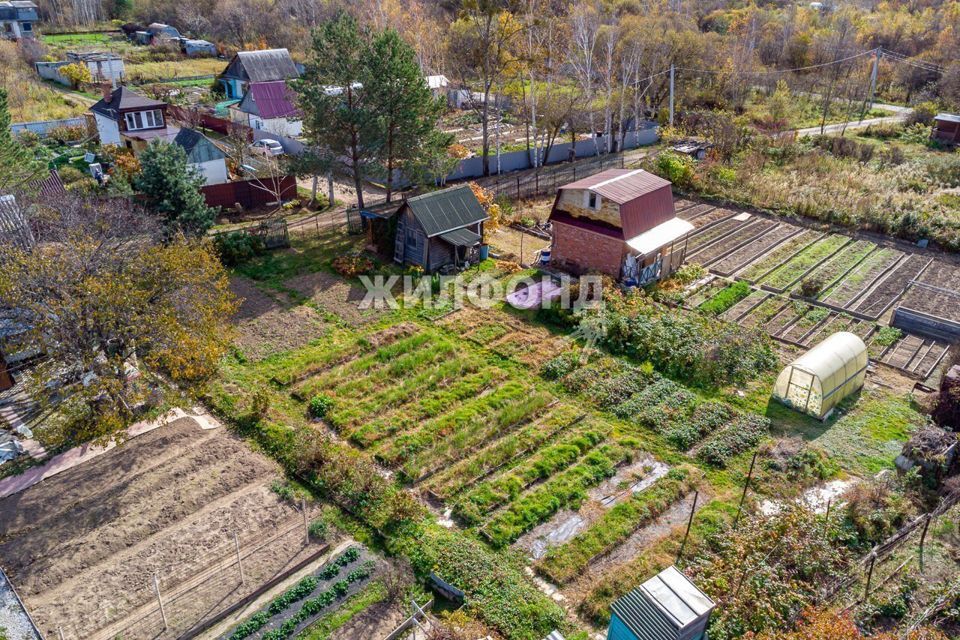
(412, 239)
(144, 119)
(27, 27)
(592, 200)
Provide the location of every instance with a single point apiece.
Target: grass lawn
(76, 39)
(173, 69)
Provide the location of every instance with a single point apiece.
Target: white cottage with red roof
(620, 222)
(269, 106)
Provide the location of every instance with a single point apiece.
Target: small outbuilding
(668, 606)
(818, 380)
(946, 128)
(198, 48)
(441, 229)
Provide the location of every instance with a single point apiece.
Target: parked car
(267, 147)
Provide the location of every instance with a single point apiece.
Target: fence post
(746, 485)
(236, 542)
(693, 510)
(518, 186)
(60, 632)
(306, 523)
(536, 178)
(163, 614)
(873, 560)
(923, 537)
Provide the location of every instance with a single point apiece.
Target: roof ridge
(616, 178)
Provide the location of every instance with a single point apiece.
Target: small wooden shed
(946, 128)
(440, 229)
(668, 606)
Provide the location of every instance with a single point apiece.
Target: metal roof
(661, 235)
(265, 65)
(948, 117)
(461, 237)
(123, 99)
(621, 185)
(13, 223)
(198, 147)
(18, 10)
(442, 211)
(269, 100)
(437, 82)
(663, 606)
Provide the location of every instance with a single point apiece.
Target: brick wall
(580, 250)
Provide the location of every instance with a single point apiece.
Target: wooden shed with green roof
(441, 229)
(668, 606)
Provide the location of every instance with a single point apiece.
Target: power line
(776, 71)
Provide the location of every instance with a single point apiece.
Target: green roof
(461, 237)
(442, 211)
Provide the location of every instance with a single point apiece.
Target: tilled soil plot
(266, 326)
(335, 295)
(874, 303)
(82, 547)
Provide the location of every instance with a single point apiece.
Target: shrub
(743, 434)
(64, 134)
(320, 405)
(318, 530)
(559, 366)
(811, 287)
(676, 168)
(726, 298)
(352, 266)
(238, 247)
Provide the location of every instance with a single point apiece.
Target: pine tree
(338, 123)
(406, 111)
(18, 166)
(172, 189)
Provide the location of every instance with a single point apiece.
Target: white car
(267, 147)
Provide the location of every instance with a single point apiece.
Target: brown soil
(279, 330)
(254, 302)
(506, 243)
(333, 294)
(377, 621)
(875, 302)
(82, 547)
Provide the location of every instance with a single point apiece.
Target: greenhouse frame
(817, 381)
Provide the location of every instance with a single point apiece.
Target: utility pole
(873, 74)
(672, 75)
(746, 486)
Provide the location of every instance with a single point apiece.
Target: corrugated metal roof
(50, 186)
(948, 117)
(442, 211)
(199, 148)
(13, 223)
(266, 65)
(663, 606)
(621, 185)
(269, 100)
(461, 237)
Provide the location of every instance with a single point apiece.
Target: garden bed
(743, 256)
(749, 233)
(778, 256)
(882, 296)
(843, 292)
(704, 236)
(801, 264)
(838, 267)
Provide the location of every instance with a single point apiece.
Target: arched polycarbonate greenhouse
(818, 380)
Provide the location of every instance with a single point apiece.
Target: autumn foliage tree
(821, 624)
(118, 317)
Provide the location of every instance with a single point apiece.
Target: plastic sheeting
(818, 380)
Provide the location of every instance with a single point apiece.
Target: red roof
(273, 99)
(621, 185)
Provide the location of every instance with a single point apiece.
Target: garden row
(804, 324)
(646, 399)
(280, 618)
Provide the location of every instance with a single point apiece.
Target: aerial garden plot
(806, 284)
(491, 450)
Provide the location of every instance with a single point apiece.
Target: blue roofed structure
(668, 606)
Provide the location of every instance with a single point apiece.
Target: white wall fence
(43, 127)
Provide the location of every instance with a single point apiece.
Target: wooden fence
(207, 120)
(250, 194)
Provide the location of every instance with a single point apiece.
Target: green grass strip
(562, 564)
(489, 495)
(500, 454)
(565, 490)
(433, 404)
(461, 440)
(324, 628)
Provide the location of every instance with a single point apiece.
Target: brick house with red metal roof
(620, 222)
